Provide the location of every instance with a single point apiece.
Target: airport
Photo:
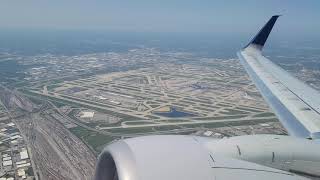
(159, 90)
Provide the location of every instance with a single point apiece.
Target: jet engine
(176, 157)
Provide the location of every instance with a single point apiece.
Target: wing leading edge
(296, 104)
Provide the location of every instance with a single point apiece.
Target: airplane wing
(296, 104)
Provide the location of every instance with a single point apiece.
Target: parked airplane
(251, 157)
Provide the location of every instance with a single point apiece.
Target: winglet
(260, 39)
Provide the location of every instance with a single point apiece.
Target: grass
(181, 105)
(91, 138)
(233, 112)
(152, 117)
(204, 109)
(187, 102)
(139, 122)
(154, 105)
(36, 100)
(167, 128)
(172, 96)
(248, 109)
(53, 86)
(172, 120)
(109, 125)
(231, 123)
(265, 114)
(132, 130)
(58, 104)
(200, 101)
(223, 105)
(127, 88)
(124, 94)
(221, 117)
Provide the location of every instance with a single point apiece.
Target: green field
(95, 140)
(266, 114)
(220, 117)
(139, 122)
(233, 112)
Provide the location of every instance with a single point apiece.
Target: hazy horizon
(164, 16)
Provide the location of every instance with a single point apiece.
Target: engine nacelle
(154, 157)
(183, 157)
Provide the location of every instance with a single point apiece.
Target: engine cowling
(154, 157)
(173, 158)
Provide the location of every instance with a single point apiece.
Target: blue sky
(241, 16)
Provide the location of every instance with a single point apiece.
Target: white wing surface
(296, 104)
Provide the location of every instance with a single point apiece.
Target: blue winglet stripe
(261, 38)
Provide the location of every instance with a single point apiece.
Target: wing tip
(260, 39)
